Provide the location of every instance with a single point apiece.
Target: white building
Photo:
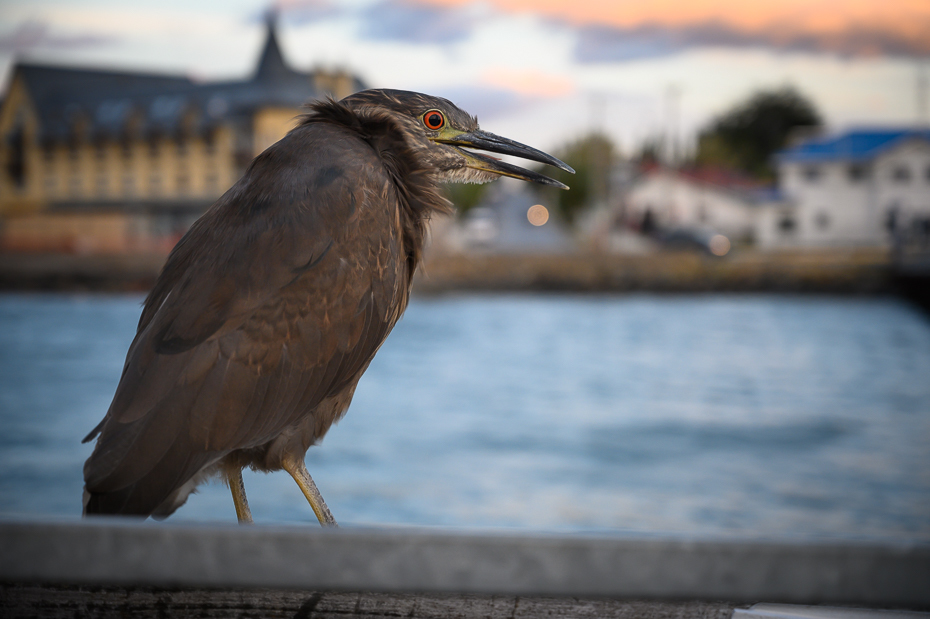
(853, 189)
(665, 199)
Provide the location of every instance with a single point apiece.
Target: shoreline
(845, 272)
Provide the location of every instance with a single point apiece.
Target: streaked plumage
(271, 307)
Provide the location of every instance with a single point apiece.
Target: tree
(592, 157)
(650, 152)
(745, 137)
(465, 196)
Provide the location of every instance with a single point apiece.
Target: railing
(118, 552)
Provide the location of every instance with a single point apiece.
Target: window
(901, 174)
(811, 173)
(786, 224)
(927, 173)
(100, 150)
(209, 143)
(858, 172)
(16, 160)
(891, 217)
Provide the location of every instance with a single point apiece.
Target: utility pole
(599, 178)
(923, 84)
(672, 113)
(597, 104)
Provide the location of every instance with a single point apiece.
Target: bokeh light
(719, 245)
(537, 214)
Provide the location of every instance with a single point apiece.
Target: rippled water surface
(694, 414)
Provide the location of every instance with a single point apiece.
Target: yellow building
(96, 161)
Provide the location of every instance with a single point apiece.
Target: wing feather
(266, 308)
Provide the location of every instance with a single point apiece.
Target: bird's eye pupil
(434, 120)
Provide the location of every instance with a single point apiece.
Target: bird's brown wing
(275, 300)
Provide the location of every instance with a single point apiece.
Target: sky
(539, 71)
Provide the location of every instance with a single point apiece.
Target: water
(700, 415)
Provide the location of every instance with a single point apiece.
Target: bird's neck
(418, 190)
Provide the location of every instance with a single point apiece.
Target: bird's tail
(158, 493)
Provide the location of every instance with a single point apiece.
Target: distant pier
(911, 264)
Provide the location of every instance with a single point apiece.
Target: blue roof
(854, 145)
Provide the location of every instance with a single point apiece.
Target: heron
(271, 307)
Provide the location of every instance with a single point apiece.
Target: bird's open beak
(484, 140)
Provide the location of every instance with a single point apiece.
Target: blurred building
(858, 188)
(717, 200)
(861, 188)
(508, 221)
(112, 161)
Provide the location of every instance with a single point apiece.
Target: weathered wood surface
(71, 602)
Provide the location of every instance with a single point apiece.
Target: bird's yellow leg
(234, 479)
(298, 470)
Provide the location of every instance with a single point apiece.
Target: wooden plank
(71, 602)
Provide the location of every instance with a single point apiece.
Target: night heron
(271, 307)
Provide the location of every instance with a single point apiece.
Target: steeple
(271, 65)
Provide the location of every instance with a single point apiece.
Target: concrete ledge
(112, 552)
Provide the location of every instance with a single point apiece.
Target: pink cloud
(858, 27)
(528, 83)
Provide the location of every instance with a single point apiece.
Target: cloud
(32, 35)
(528, 82)
(408, 21)
(300, 12)
(612, 44)
(417, 22)
(608, 44)
(618, 31)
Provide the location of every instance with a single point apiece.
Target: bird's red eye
(434, 120)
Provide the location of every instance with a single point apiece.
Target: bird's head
(446, 138)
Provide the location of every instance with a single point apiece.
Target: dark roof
(108, 104)
(854, 145)
(271, 65)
